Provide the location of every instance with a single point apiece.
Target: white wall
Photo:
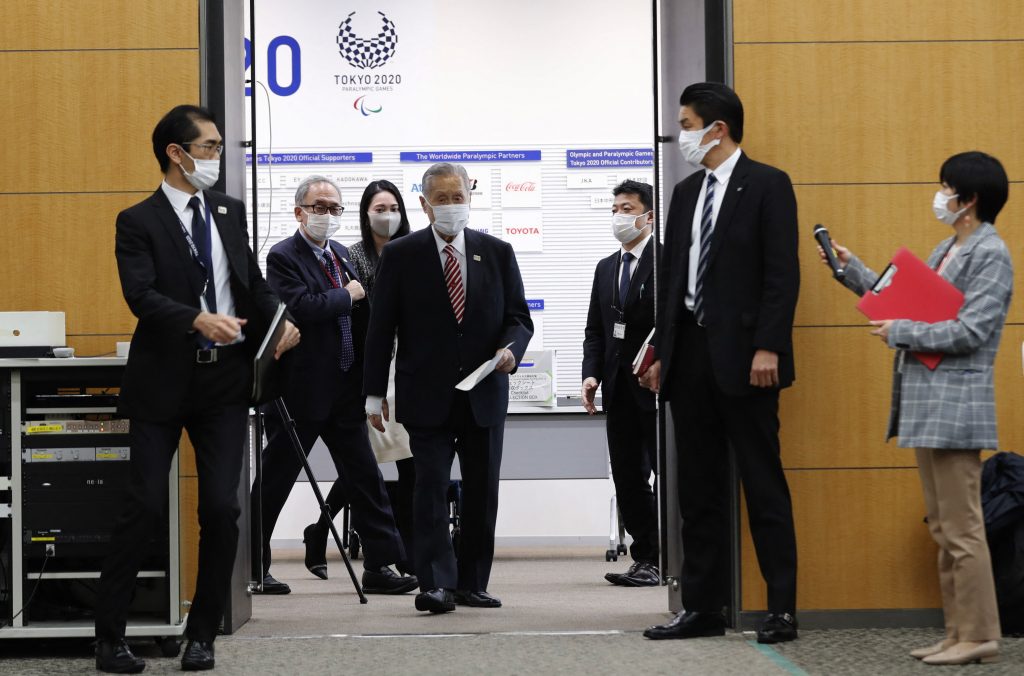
(558, 512)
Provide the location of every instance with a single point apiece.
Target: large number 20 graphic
(281, 41)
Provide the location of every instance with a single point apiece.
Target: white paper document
(481, 372)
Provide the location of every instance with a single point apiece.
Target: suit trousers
(399, 493)
(632, 447)
(344, 434)
(708, 423)
(215, 415)
(479, 450)
(951, 481)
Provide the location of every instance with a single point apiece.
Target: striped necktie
(453, 278)
(705, 248)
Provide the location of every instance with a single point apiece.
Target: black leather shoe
(198, 656)
(115, 657)
(386, 581)
(638, 575)
(272, 586)
(688, 624)
(777, 628)
(436, 601)
(315, 539)
(476, 599)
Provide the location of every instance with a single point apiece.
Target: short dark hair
(641, 190)
(713, 101)
(365, 231)
(975, 173)
(177, 126)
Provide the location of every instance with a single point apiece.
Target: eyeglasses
(321, 209)
(219, 148)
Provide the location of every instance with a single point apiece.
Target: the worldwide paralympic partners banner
(435, 73)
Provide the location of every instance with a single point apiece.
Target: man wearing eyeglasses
(203, 307)
(323, 384)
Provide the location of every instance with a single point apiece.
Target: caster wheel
(169, 646)
(622, 549)
(610, 555)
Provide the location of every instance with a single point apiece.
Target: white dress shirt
(459, 244)
(221, 273)
(722, 175)
(638, 252)
(373, 403)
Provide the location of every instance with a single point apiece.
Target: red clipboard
(909, 289)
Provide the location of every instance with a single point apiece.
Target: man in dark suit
(727, 293)
(620, 319)
(454, 297)
(189, 276)
(323, 391)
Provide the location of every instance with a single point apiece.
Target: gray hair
(445, 169)
(310, 181)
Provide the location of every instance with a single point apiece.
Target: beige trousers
(951, 480)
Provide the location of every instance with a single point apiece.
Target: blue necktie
(705, 247)
(201, 238)
(348, 354)
(624, 279)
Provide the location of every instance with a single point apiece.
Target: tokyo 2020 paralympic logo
(367, 53)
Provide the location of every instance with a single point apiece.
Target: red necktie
(453, 278)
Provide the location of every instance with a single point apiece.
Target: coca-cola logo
(523, 231)
(522, 186)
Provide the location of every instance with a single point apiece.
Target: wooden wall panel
(1010, 388)
(188, 540)
(861, 542)
(48, 25)
(79, 277)
(83, 85)
(880, 113)
(873, 221)
(835, 414)
(860, 102)
(876, 20)
(82, 121)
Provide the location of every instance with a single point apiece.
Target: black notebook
(266, 370)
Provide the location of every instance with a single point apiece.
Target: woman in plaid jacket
(948, 415)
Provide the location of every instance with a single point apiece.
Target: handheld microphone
(821, 235)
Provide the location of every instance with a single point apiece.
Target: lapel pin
(739, 189)
(476, 258)
(222, 210)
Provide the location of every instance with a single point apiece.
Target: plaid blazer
(954, 405)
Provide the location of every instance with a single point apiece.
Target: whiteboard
(548, 105)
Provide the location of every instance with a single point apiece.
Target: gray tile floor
(559, 618)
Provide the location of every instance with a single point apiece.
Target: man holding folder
(455, 299)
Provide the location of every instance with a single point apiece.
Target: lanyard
(337, 266)
(192, 245)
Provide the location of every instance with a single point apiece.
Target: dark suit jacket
(752, 280)
(311, 370)
(410, 299)
(161, 283)
(603, 355)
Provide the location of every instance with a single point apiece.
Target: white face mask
(690, 147)
(205, 174)
(450, 219)
(624, 226)
(322, 226)
(385, 224)
(942, 212)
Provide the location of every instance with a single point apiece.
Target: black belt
(214, 354)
